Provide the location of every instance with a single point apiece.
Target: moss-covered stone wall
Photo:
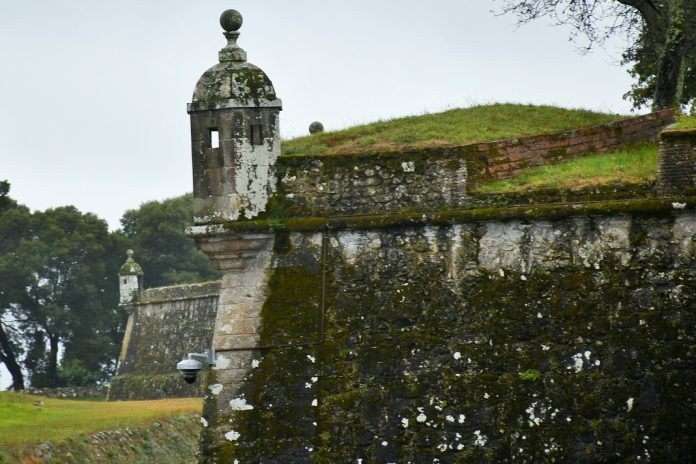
(538, 340)
(165, 324)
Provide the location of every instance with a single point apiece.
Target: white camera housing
(194, 363)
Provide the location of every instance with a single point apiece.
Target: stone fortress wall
(391, 331)
(527, 339)
(370, 311)
(164, 324)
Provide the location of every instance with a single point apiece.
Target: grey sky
(94, 93)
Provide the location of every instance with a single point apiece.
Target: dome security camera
(193, 363)
(189, 368)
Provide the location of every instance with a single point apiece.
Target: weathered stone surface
(356, 184)
(164, 325)
(565, 340)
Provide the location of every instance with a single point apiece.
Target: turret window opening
(214, 137)
(255, 134)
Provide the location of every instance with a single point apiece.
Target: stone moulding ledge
(663, 206)
(673, 135)
(146, 302)
(203, 106)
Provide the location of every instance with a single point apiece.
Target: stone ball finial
(129, 253)
(316, 127)
(231, 20)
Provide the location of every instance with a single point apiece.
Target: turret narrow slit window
(255, 134)
(214, 137)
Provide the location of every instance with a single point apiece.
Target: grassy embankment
(454, 127)
(31, 419)
(685, 122)
(630, 165)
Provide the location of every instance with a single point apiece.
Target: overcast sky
(94, 93)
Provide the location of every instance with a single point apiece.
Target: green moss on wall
(572, 365)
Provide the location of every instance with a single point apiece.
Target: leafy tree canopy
(157, 233)
(59, 316)
(662, 37)
(68, 297)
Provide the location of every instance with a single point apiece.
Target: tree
(161, 247)
(14, 222)
(65, 295)
(663, 36)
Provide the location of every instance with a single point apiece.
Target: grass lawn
(635, 164)
(453, 127)
(685, 122)
(23, 421)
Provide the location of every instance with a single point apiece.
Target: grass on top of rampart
(685, 122)
(633, 164)
(26, 419)
(454, 127)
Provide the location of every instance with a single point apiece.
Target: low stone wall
(388, 182)
(95, 391)
(164, 325)
(435, 178)
(677, 163)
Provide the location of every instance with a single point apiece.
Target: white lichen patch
(232, 435)
(421, 418)
(461, 418)
(204, 422)
(404, 422)
(629, 404)
(254, 181)
(311, 358)
(533, 419)
(240, 404)
(500, 247)
(315, 402)
(215, 388)
(254, 363)
(449, 418)
(222, 362)
(577, 362)
(457, 355)
(479, 438)
(354, 244)
(678, 205)
(408, 166)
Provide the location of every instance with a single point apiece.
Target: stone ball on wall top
(316, 127)
(231, 20)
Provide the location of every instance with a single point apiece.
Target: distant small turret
(130, 280)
